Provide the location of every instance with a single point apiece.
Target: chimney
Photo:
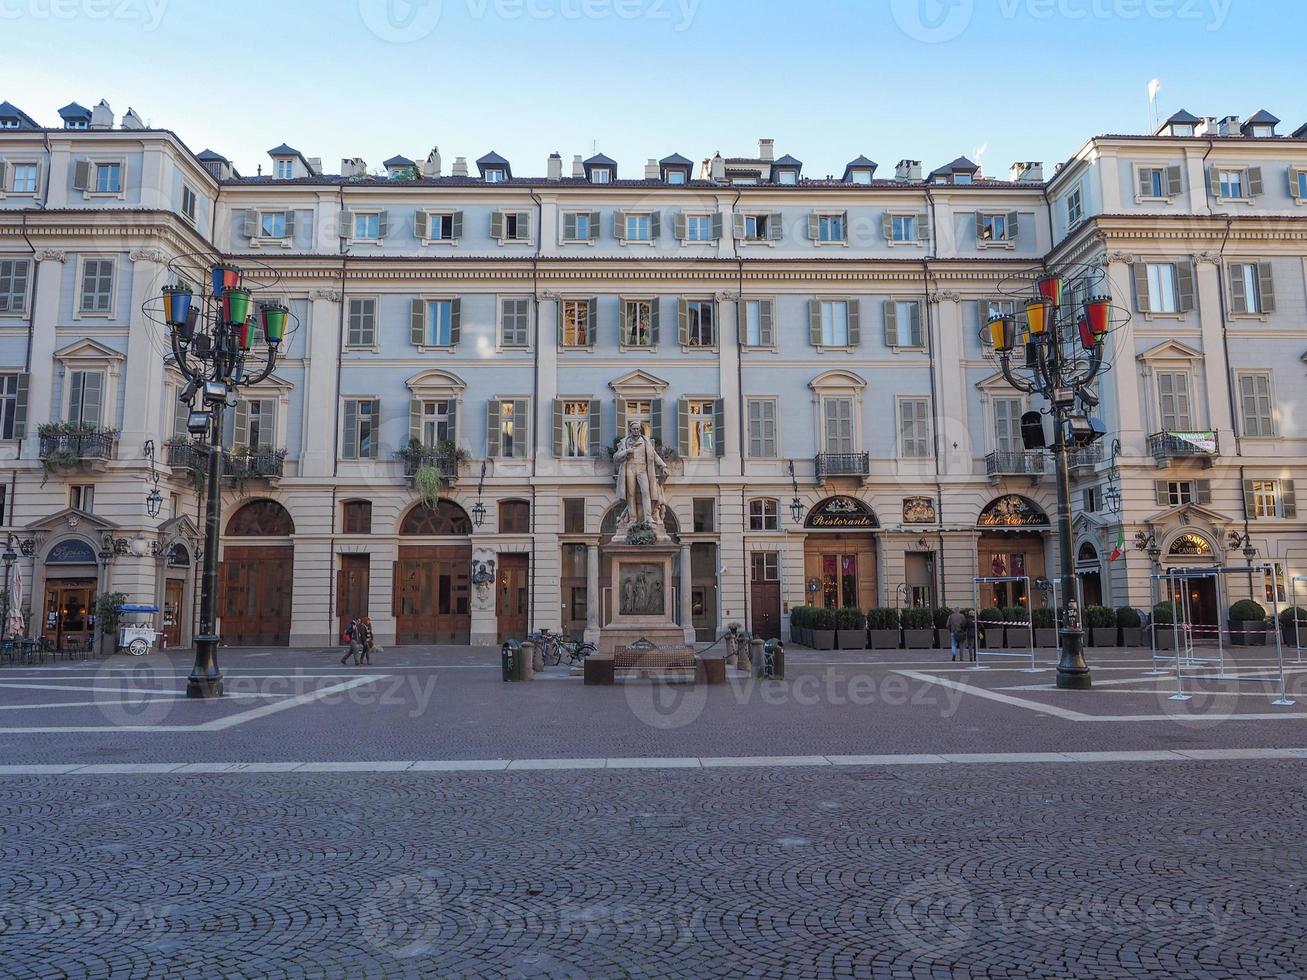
(1031, 172)
(908, 170)
(766, 150)
(353, 167)
(315, 166)
(1207, 127)
(555, 166)
(460, 166)
(102, 116)
(132, 120)
(651, 171)
(717, 168)
(578, 168)
(432, 166)
(1229, 126)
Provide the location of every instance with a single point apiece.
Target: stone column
(45, 312)
(318, 441)
(948, 343)
(593, 598)
(687, 613)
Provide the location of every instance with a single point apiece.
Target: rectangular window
(830, 228)
(272, 224)
(638, 228)
(97, 286)
(1255, 402)
(834, 323)
(285, 169)
(1246, 288)
(574, 515)
(8, 405)
(699, 324)
(903, 228)
(765, 566)
(510, 432)
(576, 429)
(640, 413)
(764, 515)
(1266, 494)
(698, 228)
(788, 177)
(1007, 425)
(1152, 181)
(1089, 499)
(108, 178)
(437, 422)
(1275, 584)
(752, 323)
(188, 203)
(993, 228)
(838, 418)
(676, 177)
(1075, 207)
(1173, 401)
(914, 428)
(1162, 294)
(514, 322)
(908, 316)
(440, 227)
(580, 221)
(755, 227)
(1231, 184)
(367, 227)
(762, 428)
(705, 515)
(1301, 178)
(702, 437)
(576, 323)
(494, 176)
(637, 323)
(361, 422)
(260, 424)
(1179, 492)
(440, 323)
(13, 285)
(85, 397)
(357, 517)
(82, 498)
(600, 175)
(24, 181)
(362, 323)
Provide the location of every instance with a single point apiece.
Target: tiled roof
(10, 111)
(1263, 118)
(399, 161)
(492, 159)
(74, 111)
(599, 160)
(207, 156)
(1184, 118)
(284, 151)
(787, 161)
(675, 160)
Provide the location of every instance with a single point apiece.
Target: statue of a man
(640, 475)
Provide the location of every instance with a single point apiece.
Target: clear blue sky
(828, 79)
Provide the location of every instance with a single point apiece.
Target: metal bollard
(774, 660)
(510, 660)
(529, 656)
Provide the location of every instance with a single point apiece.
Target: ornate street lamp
(153, 499)
(796, 505)
(210, 315)
(1064, 337)
(10, 556)
(479, 509)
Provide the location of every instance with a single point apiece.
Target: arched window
(261, 519)
(1087, 554)
(514, 517)
(447, 518)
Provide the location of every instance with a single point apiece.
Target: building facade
(807, 353)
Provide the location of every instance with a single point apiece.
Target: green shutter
(655, 225)
(249, 223)
(1161, 492)
(891, 324)
(525, 229)
(1174, 180)
(980, 226)
(887, 226)
(1203, 491)
(4, 175)
(1145, 181)
(1256, 188)
(521, 427)
(290, 223)
(417, 322)
(923, 227)
(345, 224)
(682, 427)
(1266, 284)
(1238, 294)
(656, 418)
(655, 319)
(422, 224)
(569, 227)
(560, 318)
(1294, 190)
(451, 411)
(717, 226)
(719, 426)
(1140, 271)
(619, 416)
(739, 227)
(455, 320)
(1184, 286)
(376, 428)
(497, 224)
(82, 175)
(592, 320)
(415, 419)
(20, 408)
(619, 225)
(456, 225)
(683, 321)
(742, 320)
(383, 224)
(1288, 499)
(1013, 226)
(814, 226)
(1249, 501)
(766, 326)
(775, 226)
(814, 322)
(680, 226)
(595, 219)
(558, 428)
(596, 429)
(855, 321)
(492, 429)
(350, 441)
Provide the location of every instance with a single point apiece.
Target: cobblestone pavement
(1193, 870)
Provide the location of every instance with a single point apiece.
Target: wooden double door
(254, 601)
(512, 597)
(69, 611)
(431, 591)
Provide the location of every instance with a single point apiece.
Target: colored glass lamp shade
(1038, 313)
(236, 305)
(1098, 311)
(274, 323)
(176, 305)
(245, 333)
(1050, 288)
(225, 277)
(1003, 332)
(1087, 338)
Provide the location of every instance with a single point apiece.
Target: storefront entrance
(256, 595)
(69, 612)
(353, 583)
(174, 590)
(431, 594)
(843, 567)
(512, 592)
(765, 594)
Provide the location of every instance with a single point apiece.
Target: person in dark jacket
(365, 640)
(353, 648)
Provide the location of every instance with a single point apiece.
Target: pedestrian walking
(957, 631)
(366, 640)
(353, 648)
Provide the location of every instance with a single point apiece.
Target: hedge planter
(1102, 636)
(852, 639)
(918, 639)
(1248, 633)
(1045, 639)
(884, 639)
(1132, 636)
(823, 640)
(1018, 638)
(1165, 637)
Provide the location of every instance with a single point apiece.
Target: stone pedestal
(642, 588)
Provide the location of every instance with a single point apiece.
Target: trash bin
(510, 660)
(773, 658)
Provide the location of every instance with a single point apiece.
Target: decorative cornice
(945, 295)
(51, 255)
(727, 295)
(330, 295)
(1119, 255)
(147, 255)
(1208, 258)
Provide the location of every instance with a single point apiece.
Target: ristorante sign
(841, 513)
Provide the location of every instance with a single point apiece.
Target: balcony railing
(843, 464)
(416, 457)
(1090, 456)
(1015, 464)
(1183, 445)
(239, 464)
(75, 447)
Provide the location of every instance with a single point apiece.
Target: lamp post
(10, 556)
(1064, 337)
(212, 334)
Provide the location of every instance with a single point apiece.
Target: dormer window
(787, 177)
(861, 177)
(962, 178)
(676, 177)
(676, 169)
(1182, 130)
(285, 169)
(76, 124)
(494, 176)
(8, 122)
(601, 175)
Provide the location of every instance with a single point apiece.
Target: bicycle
(553, 648)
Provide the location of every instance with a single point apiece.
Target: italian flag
(1119, 550)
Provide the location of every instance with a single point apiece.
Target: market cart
(139, 637)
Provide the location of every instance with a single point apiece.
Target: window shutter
(742, 320)
(1174, 181)
(1145, 181)
(1203, 491)
(1288, 499)
(1238, 294)
(81, 175)
(417, 322)
(679, 223)
(980, 226)
(93, 397)
(766, 329)
(456, 225)
(1249, 501)
(455, 320)
(525, 230)
(1266, 284)
(290, 224)
(383, 224)
(739, 227)
(656, 418)
(1293, 183)
(717, 226)
(558, 428)
(569, 227)
(20, 408)
(492, 429)
(814, 226)
(496, 224)
(249, 223)
(1255, 185)
(619, 416)
(422, 224)
(844, 226)
(376, 427)
(775, 226)
(891, 324)
(228, 426)
(655, 225)
(451, 412)
(1013, 226)
(345, 224)
(1212, 187)
(887, 226)
(923, 227)
(655, 319)
(4, 174)
(1161, 492)
(619, 225)
(719, 426)
(683, 322)
(682, 427)
(595, 219)
(914, 331)
(1141, 287)
(855, 321)
(560, 318)
(350, 443)
(592, 320)
(1184, 286)
(814, 322)
(415, 419)
(596, 428)
(521, 426)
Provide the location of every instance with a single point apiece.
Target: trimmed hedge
(1127, 617)
(823, 619)
(1043, 618)
(883, 618)
(991, 616)
(941, 615)
(1100, 618)
(918, 618)
(1247, 611)
(1287, 616)
(1165, 613)
(850, 618)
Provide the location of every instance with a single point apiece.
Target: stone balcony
(842, 464)
(1165, 447)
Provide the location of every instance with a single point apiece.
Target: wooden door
(844, 567)
(70, 612)
(173, 609)
(255, 594)
(353, 583)
(431, 588)
(511, 597)
(765, 595)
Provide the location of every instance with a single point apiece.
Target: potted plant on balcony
(1164, 629)
(1101, 622)
(66, 445)
(1129, 623)
(851, 629)
(1045, 620)
(1247, 623)
(1293, 626)
(1016, 620)
(884, 628)
(823, 629)
(990, 626)
(918, 628)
